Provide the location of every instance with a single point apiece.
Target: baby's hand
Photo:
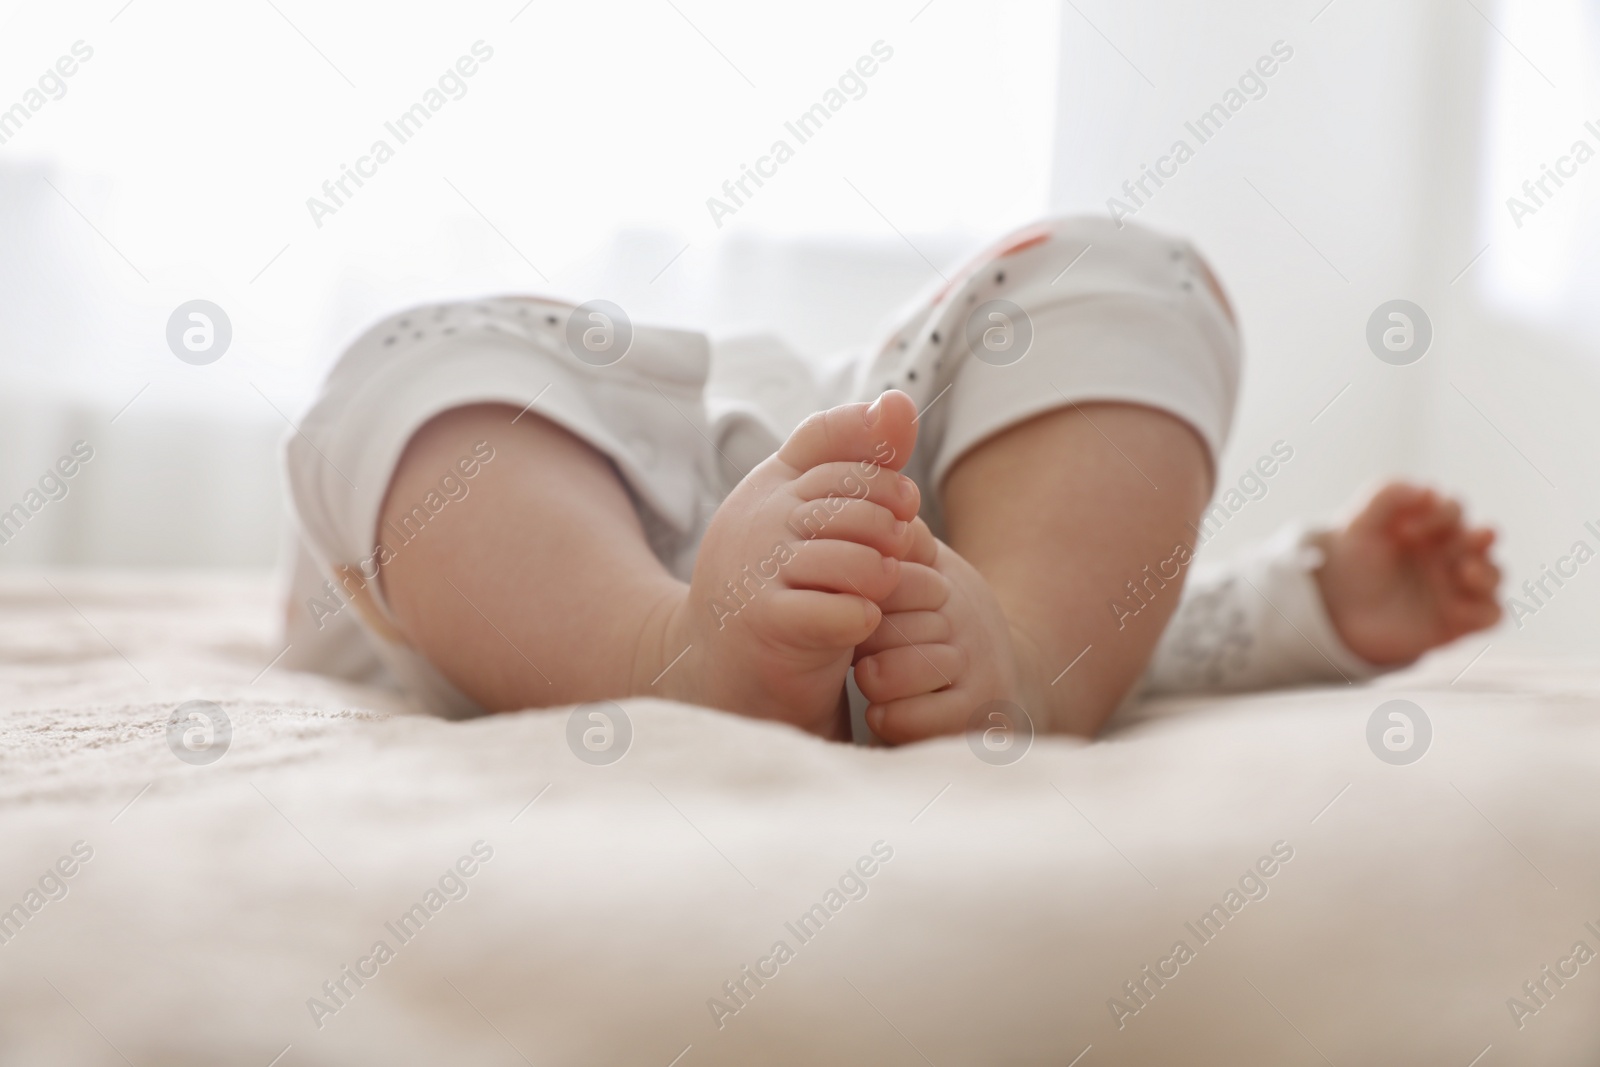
(1408, 575)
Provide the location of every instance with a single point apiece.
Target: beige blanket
(1234, 881)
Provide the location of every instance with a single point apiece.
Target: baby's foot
(943, 650)
(787, 576)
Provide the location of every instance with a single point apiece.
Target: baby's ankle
(1036, 695)
(662, 649)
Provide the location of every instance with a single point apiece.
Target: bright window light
(230, 153)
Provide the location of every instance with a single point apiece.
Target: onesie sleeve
(1256, 623)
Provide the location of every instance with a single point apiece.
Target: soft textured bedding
(1234, 880)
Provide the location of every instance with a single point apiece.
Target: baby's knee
(1129, 247)
(1078, 310)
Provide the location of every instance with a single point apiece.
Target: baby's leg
(540, 588)
(1058, 514)
(1070, 473)
(1047, 522)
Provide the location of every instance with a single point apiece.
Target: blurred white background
(178, 162)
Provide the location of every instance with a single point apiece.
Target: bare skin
(539, 588)
(1046, 522)
(1049, 519)
(1406, 575)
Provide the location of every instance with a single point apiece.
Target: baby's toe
(907, 628)
(883, 432)
(860, 521)
(860, 481)
(924, 546)
(921, 588)
(808, 619)
(918, 718)
(910, 670)
(842, 567)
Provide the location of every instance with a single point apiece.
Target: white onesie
(1066, 311)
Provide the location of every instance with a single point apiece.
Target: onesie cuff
(1287, 567)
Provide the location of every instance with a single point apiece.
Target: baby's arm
(1405, 575)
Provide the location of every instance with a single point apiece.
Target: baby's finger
(1466, 550)
(1429, 524)
(1477, 575)
(1387, 504)
(1465, 616)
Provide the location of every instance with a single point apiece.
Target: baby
(530, 504)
